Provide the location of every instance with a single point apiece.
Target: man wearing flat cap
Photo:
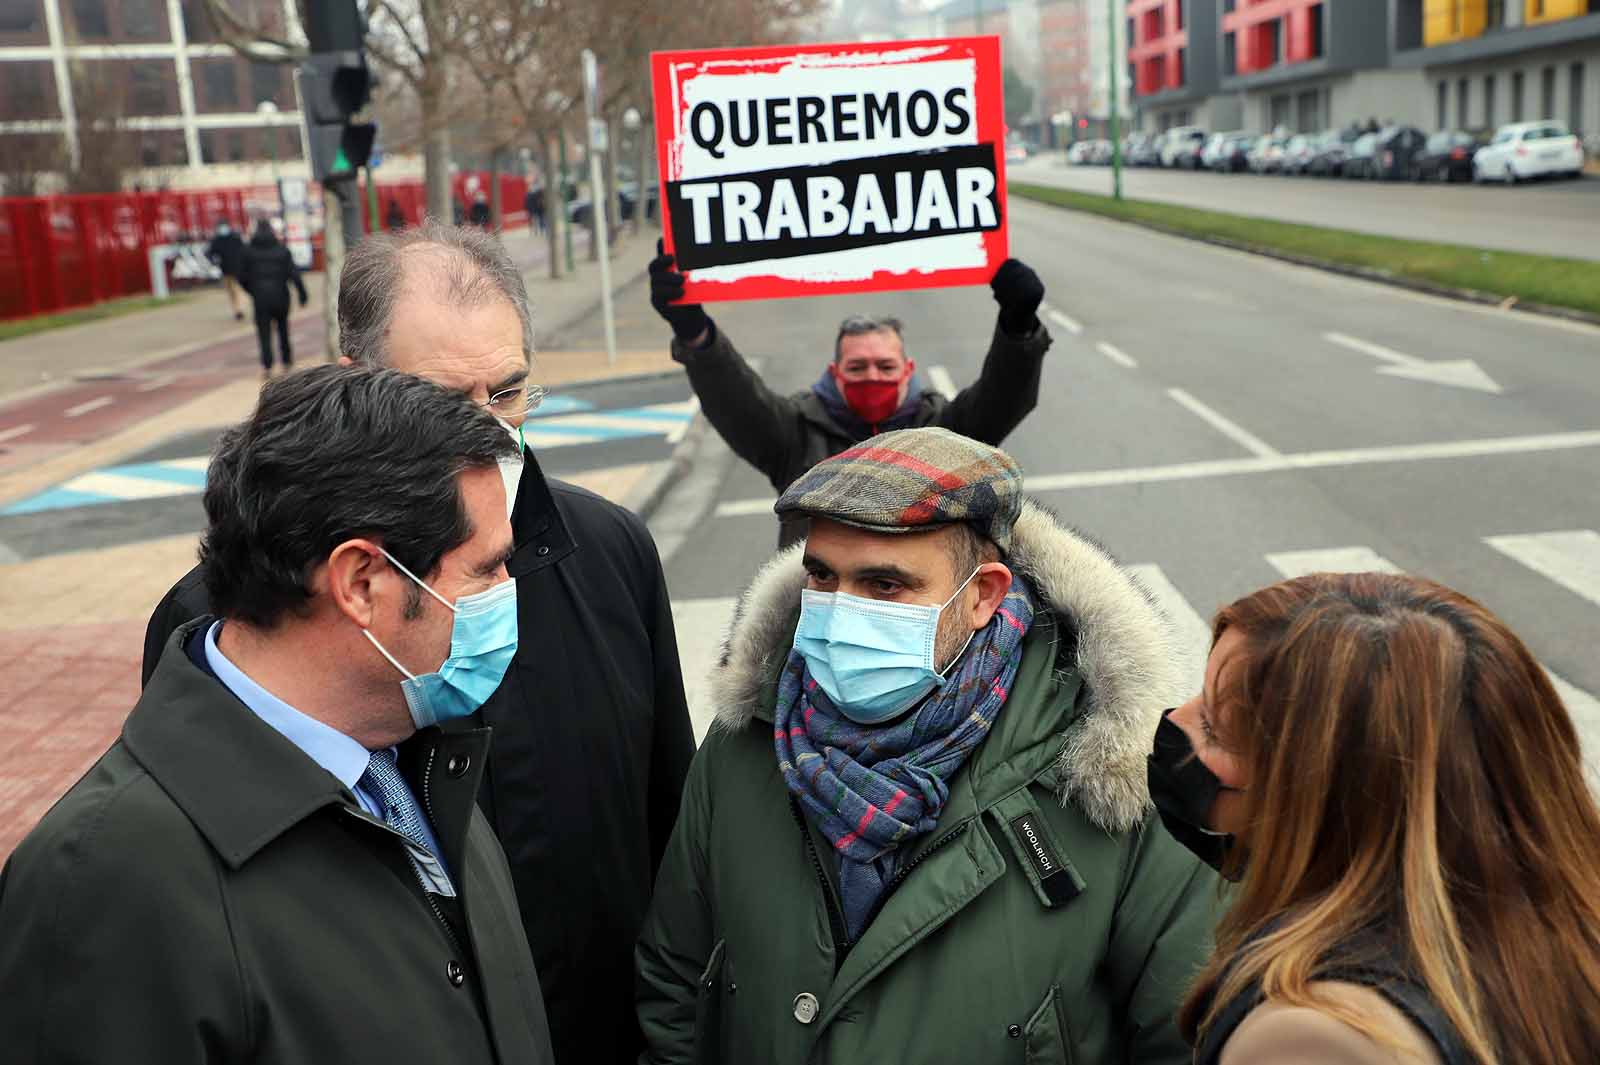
(920, 829)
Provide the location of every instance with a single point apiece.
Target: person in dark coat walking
(396, 218)
(227, 251)
(870, 387)
(592, 739)
(534, 203)
(267, 272)
(479, 216)
(280, 860)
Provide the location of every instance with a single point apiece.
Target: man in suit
(592, 735)
(280, 859)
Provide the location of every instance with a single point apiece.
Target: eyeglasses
(516, 402)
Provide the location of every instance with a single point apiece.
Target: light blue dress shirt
(323, 744)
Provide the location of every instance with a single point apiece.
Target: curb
(647, 496)
(571, 318)
(1364, 273)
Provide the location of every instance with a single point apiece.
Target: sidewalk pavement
(72, 625)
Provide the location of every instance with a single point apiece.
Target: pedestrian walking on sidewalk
(870, 386)
(1392, 780)
(534, 203)
(281, 859)
(480, 210)
(267, 272)
(226, 250)
(592, 739)
(918, 831)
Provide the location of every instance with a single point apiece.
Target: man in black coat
(266, 273)
(870, 387)
(592, 740)
(280, 860)
(227, 251)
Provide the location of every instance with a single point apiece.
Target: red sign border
(991, 128)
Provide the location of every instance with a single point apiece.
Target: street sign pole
(597, 144)
(1111, 69)
(557, 206)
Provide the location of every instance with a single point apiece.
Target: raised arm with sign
(870, 386)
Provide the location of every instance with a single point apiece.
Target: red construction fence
(59, 252)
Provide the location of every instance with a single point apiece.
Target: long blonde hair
(1411, 771)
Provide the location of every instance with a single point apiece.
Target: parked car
(1359, 159)
(1233, 154)
(1447, 155)
(1526, 150)
(1393, 152)
(1266, 155)
(1149, 152)
(1182, 146)
(1297, 154)
(1332, 149)
(1078, 153)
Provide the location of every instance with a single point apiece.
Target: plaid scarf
(872, 789)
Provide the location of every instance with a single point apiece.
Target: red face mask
(873, 401)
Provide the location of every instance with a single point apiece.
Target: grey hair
(468, 266)
(858, 325)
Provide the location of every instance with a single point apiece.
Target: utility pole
(1111, 70)
(558, 196)
(599, 141)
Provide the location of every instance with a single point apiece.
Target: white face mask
(511, 468)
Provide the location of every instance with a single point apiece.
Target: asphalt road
(1546, 218)
(1220, 420)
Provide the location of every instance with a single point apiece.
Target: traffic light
(335, 84)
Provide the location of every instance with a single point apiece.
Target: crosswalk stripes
(1552, 556)
(560, 421)
(1571, 559)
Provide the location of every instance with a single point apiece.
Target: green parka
(1048, 919)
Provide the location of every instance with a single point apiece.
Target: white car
(1527, 150)
(1182, 141)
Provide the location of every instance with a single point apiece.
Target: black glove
(1019, 292)
(688, 320)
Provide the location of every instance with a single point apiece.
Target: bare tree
(28, 159)
(108, 150)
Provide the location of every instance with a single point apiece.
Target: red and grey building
(1306, 65)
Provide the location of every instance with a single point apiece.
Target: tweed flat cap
(912, 480)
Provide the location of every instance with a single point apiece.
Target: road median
(1546, 284)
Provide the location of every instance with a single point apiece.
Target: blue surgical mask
(482, 643)
(873, 659)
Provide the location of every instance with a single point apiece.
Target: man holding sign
(830, 170)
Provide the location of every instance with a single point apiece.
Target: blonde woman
(1398, 790)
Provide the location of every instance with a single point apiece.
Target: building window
(1183, 67)
(28, 91)
(1516, 96)
(1443, 120)
(1227, 6)
(1488, 101)
(1183, 14)
(116, 21)
(1279, 115)
(1309, 111)
(1494, 14)
(162, 147)
(1538, 9)
(1462, 94)
(270, 81)
(1547, 93)
(1230, 54)
(1317, 15)
(216, 83)
(22, 22)
(152, 87)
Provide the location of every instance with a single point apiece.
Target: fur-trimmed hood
(1125, 652)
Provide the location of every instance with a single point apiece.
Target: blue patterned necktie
(400, 811)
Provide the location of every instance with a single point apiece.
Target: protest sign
(828, 169)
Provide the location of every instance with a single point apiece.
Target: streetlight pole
(268, 110)
(1111, 70)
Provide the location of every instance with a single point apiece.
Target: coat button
(455, 973)
(805, 1007)
(545, 550)
(1015, 1031)
(458, 765)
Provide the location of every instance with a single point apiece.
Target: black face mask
(1184, 791)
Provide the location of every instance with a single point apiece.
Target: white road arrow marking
(1458, 373)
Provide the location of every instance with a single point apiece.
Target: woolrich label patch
(828, 169)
